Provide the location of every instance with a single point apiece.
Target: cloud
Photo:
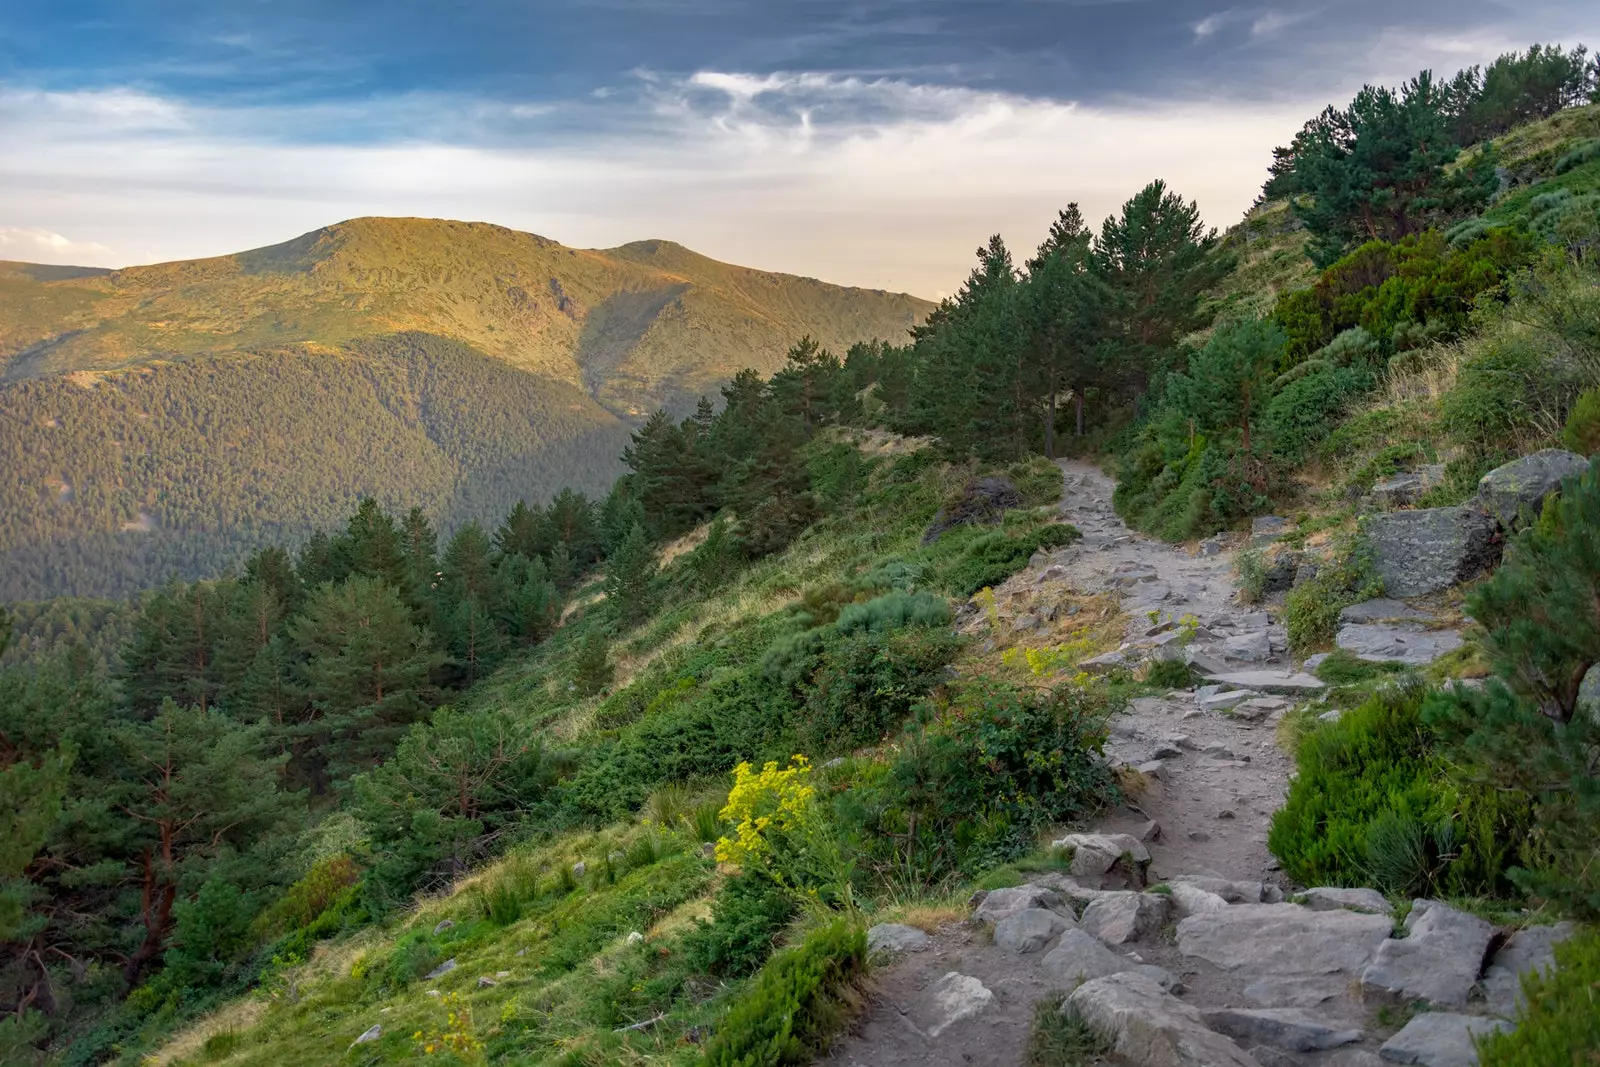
(1212, 23)
(34, 245)
(885, 183)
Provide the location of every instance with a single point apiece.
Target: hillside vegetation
(163, 421)
(389, 794)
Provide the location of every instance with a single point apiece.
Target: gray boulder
(894, 937)
(1029, 930)
(1294, 957)
(1380, 609)
(1287, 1028)
(1589, 692)
(948, 1001)
(1231, 892)
(1117, 918)
(1267, 681)
(1079, 957)
(371, 1034)
(1150, 1027)
(1253, 647)
(1440, 1039)
(1333, 898)
(1265, 529)
(1407, 487)
(1526, 951)
(1422, 552)
(1438, 961)
(1190, 899)
(1096, 854)
(1397, 642)
(443, 969)
(998, 904)
(1521, 485)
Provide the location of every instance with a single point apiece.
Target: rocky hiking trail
(1172, 933)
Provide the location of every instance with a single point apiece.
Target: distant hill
(160, 421)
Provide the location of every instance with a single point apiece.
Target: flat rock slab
(1292, 1029)
(1332, 898)
(894, 937)
(997, 904)
(1150, 1027)
(1520, 486)
(1422, 552)
(1079, 957)
(1437, 962)
(1272, 942)
(1532, 949)
(1440, 1039)
(948, 1001)
(1231, 892)
(1284, 682)
(1029, 930)
(1190, 899)
(1400, 642)
(1381, 609)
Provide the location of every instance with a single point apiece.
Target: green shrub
(1062, 1038)
(746, 917)
(893, 611)
(798, 1001)
(1560, 1022)
(1345, 668)
(1527, 733)
(1037, 479)
(867, 683)
(1251, 567)
(992, 557)
(1586, 152)
(1582, 431)
(1311, 610)
(1306, 411)
(1169, 674)
(1373, 802)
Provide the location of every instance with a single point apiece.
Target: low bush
(1251, 567)
(1560, 1022)
(1373, 803)
(795, 1004)
(1311, 610)
(1345, 668)
(746, 917)
(1062, 1038)
(992, 557)
(1169, 674)
(1582, 430)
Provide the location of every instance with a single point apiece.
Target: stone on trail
(1253, 647)
(1532, 949)
(1225, 700)
(895, 937)
(1029, 930)
(1522, 484)
(1150, 1027)
(1287, 1028)
(1190, 899)
(1079, 957)
(1117, 918)
(1381, 609)
(1285, 682)
(1096, 854)
(997, 904)
(948, 1001)
(1231, 892)
(1437, 962)
(1332, 898)
(1404, 642)
(1294, 956)
(1257, 708)
(1422, 552)
(1440, 1039)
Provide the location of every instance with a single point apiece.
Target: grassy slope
(565, 976)
(634, 326)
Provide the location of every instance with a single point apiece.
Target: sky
(875, 143)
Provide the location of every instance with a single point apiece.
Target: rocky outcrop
(1396, 642)
(1422, 552)
(893, 937)
(1096, 854)
(1526, 951)
(1517, 490)
(1439, 1039)
(1438, 961)
(1152, 1028)
(1029, 930)
(1407, 487)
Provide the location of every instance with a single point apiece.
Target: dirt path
(1220, 777)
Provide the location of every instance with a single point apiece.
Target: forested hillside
(624, 775)
(162, 421)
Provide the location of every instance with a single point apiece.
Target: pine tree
(471, 601)
(1229, 381)
(524, 533)
(591, 665)
(570, 521)
(619, 514)
(316, 562)
(1064, 310)
(803, 386)
(366, 669)
(630, 577)
(419, 546)
(372, 545)
(199, 789)
(532, 602)
(273, 568)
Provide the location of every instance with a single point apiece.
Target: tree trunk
(1079, 396)
(157, 919)
(1050, 427)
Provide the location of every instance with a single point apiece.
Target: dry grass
(187, 1043)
